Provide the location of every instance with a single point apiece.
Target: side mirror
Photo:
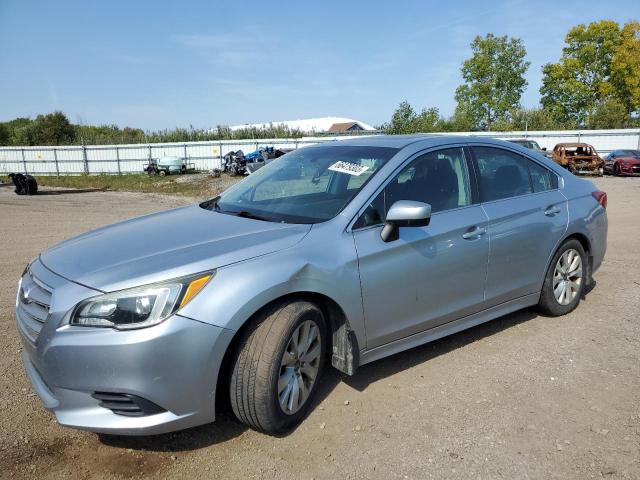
(405, 213)
(544, 149)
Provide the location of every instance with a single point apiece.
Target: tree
(600, 63)
(609, 113)
(4, 134)
(52, 129)
(625, 67)
(537, 119)
(494, 79)
(402, 119)
(405, 120)
(460, 121)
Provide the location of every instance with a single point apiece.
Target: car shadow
(386, 367)
(71, 190)
(226, 427)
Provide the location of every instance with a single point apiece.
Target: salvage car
(337, 254)
(623, 163)
(238, 163)
(168, 166)
(578, 158)
(531, 145)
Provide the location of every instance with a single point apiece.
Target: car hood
(166, 245)
(629, 160)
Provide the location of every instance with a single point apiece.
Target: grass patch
(192, 185)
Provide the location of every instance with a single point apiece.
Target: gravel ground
(524, 396)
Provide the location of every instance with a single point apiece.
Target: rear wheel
(275, 373)
(565, 280)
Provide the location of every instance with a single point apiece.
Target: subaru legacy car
(334, 255)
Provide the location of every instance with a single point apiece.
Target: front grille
(34, 299)
(127, 404)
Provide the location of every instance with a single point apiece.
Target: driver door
(431, 275)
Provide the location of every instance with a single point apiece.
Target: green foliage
(55, 129)
(600, 64)
(609, 113)
(4, 134)
(625, 67)
(406, 120)
(460, 121)
(494, 80)
(536, 119)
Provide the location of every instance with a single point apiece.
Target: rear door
(527, 218)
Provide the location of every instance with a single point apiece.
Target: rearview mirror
(405, 213)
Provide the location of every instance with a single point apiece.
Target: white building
(317, 125)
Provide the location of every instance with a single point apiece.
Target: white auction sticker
(349, 168)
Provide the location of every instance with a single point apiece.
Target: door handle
(474, 232)
(552, 211)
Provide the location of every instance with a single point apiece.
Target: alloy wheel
(299, 367)
(567, 277)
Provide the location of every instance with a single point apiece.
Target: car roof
(426, 139)
(573, 145)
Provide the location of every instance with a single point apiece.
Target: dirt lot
(521, 397)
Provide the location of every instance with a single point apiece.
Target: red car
(623, 163)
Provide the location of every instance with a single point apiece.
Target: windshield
(308, 185)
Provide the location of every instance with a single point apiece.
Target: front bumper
(630, 170)
(174, 365)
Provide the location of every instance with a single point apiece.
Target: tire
(573, 279)
(616, 170)
(162, 173)
(259, 367)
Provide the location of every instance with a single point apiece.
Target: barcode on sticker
(349, 168)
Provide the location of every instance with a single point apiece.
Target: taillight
(601, 197)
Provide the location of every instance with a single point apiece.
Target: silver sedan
(337, 254)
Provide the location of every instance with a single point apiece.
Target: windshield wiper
(246, 214)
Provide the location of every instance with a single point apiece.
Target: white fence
(114, 159)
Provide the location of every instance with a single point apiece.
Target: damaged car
(238, 163)
(623, 163)
(578, 158)
(334, 256)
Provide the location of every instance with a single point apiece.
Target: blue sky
(165, 64)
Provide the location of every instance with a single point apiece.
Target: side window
(541, 178)
(503, 174)
(438, 178)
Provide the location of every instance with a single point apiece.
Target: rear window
(505, 174)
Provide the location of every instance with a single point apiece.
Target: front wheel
(565, 280)
(277, 366)
(616, 170)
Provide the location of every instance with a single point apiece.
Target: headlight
(138, 307)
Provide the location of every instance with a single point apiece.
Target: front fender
(239, 290)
